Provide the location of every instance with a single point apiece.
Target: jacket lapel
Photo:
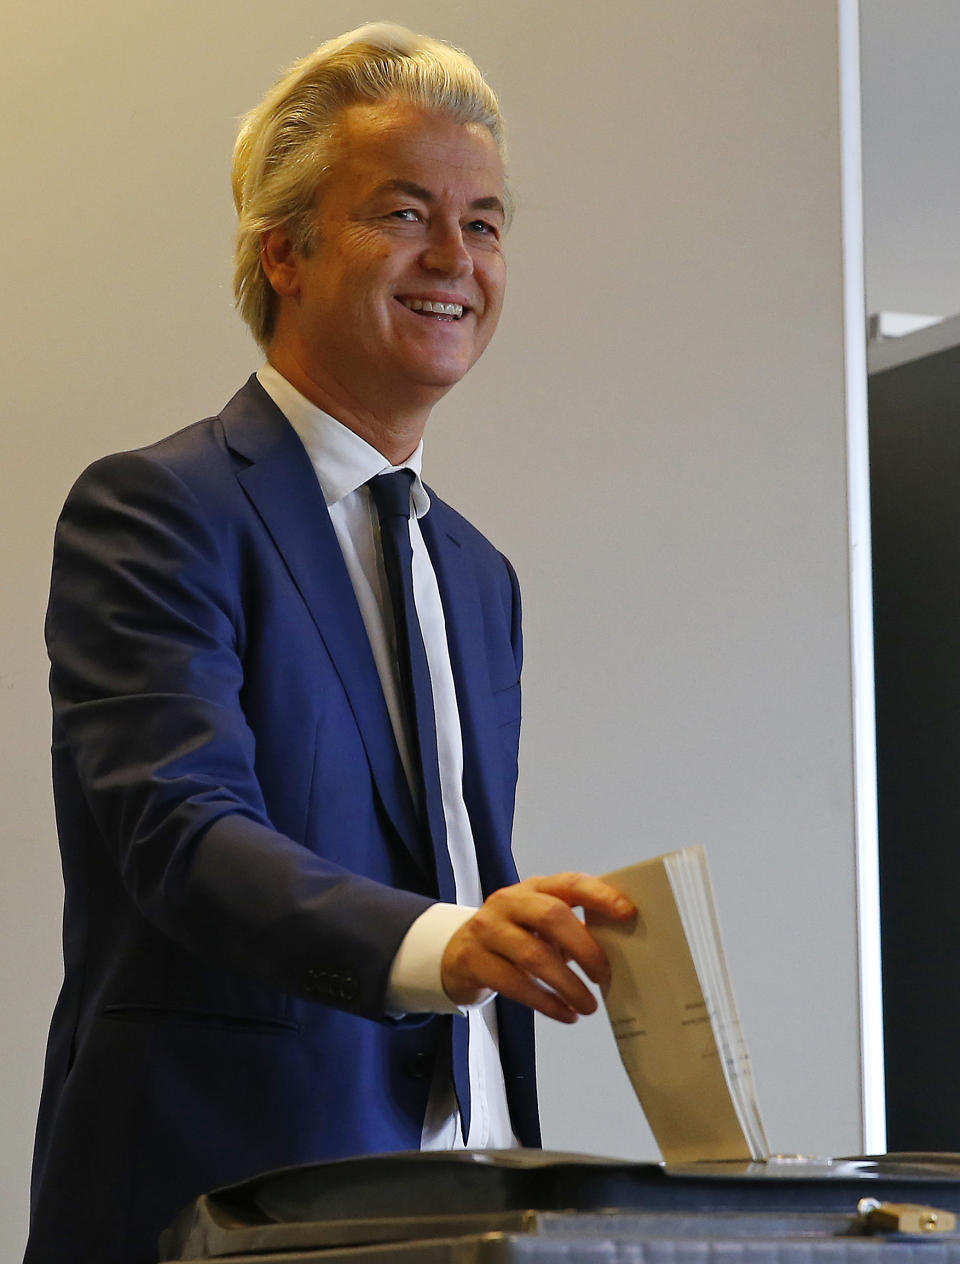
(461, 596)
(282, 486)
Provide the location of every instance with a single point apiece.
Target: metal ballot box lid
(532, 1204)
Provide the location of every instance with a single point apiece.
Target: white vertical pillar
(861, 590)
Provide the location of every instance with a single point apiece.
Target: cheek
(494, 307)
(380, 274)
(495, 283)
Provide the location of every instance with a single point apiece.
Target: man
(257, 807)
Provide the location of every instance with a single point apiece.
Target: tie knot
(391, 494)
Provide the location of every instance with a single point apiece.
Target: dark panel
(915, 478)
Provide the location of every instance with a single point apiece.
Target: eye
(482, 228)
(405, 213)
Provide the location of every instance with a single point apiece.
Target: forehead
(393, 140)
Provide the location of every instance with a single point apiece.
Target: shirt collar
(342, 460)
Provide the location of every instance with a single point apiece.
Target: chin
(439, 378)
(440, 367)
(450, 370)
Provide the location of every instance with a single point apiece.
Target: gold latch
(905, 1217)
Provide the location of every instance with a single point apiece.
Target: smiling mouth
(438, 311)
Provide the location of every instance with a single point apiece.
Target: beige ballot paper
(672, 1012)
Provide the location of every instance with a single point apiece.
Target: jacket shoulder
(201, 455)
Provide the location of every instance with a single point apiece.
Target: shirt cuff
(414, 985)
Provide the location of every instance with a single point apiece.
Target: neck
(394, 430)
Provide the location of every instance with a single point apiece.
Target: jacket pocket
(506, 705)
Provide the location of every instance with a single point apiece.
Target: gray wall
(911, 101)
(656, 438)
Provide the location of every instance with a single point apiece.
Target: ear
(280, 261)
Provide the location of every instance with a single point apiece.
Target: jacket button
(419, 1066)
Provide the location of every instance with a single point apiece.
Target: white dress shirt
(344, 462)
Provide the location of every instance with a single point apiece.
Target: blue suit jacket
(240, 851)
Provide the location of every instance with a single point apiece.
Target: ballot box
(490, 1207)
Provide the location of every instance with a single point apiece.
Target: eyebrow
(491, 203)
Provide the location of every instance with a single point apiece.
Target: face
(405, 286)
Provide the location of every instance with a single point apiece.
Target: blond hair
(286, 143)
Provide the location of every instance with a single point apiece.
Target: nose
(445, 251)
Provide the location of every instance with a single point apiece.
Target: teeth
(437, 309)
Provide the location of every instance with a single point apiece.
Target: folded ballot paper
(672, 1011)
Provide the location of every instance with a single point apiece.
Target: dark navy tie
(391, 495)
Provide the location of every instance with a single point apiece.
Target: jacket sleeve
(145, 633)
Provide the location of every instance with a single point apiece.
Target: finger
(487, 941)
(541, 961)
(511, 981)
(585, 891)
